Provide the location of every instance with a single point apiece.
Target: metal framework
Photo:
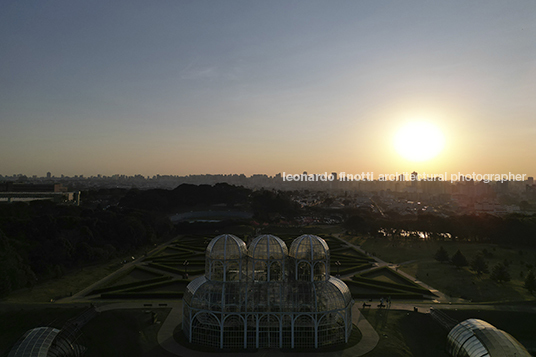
(45, 342)
(477, 338)
(51, 342)
(262, 296)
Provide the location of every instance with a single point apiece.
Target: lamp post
(185, 264)
(338, 264)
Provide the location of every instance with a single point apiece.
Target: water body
(209, 216)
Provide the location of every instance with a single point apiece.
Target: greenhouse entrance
(269, 332)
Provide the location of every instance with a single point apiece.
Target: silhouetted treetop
(441, 255)
(458, 259)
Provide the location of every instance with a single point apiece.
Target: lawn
(70, 283)
(417, 260)
(466, 284)
(63, 286)
(405, 334)
(125, 333)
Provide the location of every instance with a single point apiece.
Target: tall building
(265, 296)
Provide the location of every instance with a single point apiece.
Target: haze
(189, 87)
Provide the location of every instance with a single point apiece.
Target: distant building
(24, 191)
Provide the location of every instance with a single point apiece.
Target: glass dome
(269, 254)
(226, 246)
(225, 256)
(309, 247)
(268, 247)
(332, 295)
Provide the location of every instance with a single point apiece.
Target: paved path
(167, 341)
(368, 342)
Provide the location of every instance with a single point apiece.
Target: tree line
(41, 240)
(266, 205)
(515, 230)
(499, 273)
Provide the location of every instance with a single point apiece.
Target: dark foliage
(459, 260)
(479, 265)
(43, 240)
(500, 273)
(185, 196)
(441, 255)
(357, 224)
(530, 282)
(271, 206)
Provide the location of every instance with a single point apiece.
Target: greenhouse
(263, 296)
(477, 338)
(45, 342)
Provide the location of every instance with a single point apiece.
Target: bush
(441, 255)
(479, 265)
(459, 260)
(500, 273)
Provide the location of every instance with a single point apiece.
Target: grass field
(63, 286)
(417, 260)
(405, 334)
(72, 282)
(125, 333)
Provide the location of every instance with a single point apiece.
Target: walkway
(165, 337)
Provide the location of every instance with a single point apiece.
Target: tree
(530, 282)
(357, 224)
(500, 273)
(441, 255)
(479, 265)
(459, 259)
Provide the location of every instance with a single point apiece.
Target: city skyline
(178, 88)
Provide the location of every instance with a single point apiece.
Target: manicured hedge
(374, 286)
(131, 285)
(392, 295)
(415, 289)
(141, 295)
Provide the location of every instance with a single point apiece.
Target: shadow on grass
(464, 284)
(404, 333)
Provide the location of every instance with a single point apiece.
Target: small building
(477, 338)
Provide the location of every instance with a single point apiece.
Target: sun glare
(419, 141)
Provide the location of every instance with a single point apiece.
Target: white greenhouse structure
(477, 338)
(265, 296)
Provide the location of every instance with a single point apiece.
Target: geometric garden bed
(385, 282)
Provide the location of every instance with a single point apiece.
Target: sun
(419, 141)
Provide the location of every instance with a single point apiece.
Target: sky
(176, 87)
